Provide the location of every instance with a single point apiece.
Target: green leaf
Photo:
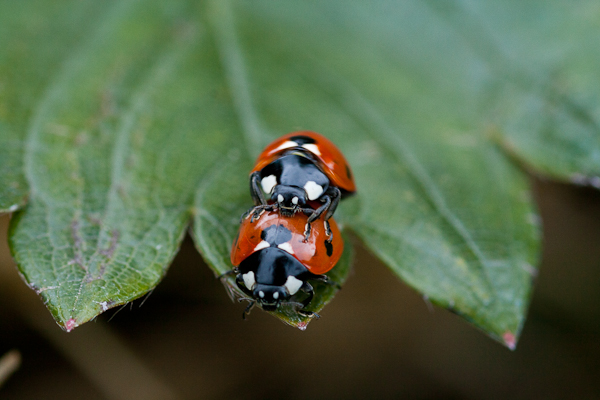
(116, 146)
(153, 112)
(437, 202)
(529, 69)
(542, 102)
(14, 188)
(28, 55)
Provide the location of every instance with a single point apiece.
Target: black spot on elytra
(302, 140)
(276, 234)
(348, 172)
(329, 248)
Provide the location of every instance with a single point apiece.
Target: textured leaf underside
(121, 121)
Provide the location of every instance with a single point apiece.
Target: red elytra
(329, 158)
(316, 254)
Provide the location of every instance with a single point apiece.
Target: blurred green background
(188, 340)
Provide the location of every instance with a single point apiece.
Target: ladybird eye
(295, 200)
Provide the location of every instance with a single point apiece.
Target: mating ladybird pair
(289, 238)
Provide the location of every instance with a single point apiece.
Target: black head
(292, 180)
(289, 199)
(267, 296)
(271, 276)
(270, 296)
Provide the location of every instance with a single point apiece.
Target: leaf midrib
(236, 74)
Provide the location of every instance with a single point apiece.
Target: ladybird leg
(248, 309)
(256, 191)
(247, 213)
(307, 288)
(307, 211)
(309, 314)
(314, 215)
(307, 230)
(327, 280)
(256, 211)
(319, 211)
(332, 198)
(259, 210)
(307, 227)
(335, 195)
(239, 280)
(328, 231)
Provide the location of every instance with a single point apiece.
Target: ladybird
(274, 264)
(302, 172)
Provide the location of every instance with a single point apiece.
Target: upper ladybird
(301, 172)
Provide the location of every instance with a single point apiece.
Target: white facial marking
(292, 285)
(261, 294)
(261, 245)
(280, 198)
(313, 190)
(249, 280)
(286, 145)
(286, 247)
(313, 148)
(276, 295)
(268, 183)
(294, 200)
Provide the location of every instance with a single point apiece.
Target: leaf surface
(28, 55)
(152, 114)
(116, 145)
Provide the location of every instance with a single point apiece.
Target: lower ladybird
(274, 262)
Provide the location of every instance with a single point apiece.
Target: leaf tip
(302, 325)
(70, 325)
(510, 340)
